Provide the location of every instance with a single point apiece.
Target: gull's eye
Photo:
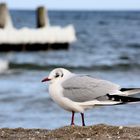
(62, 75)
(57, 75)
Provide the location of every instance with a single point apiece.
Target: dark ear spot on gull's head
(59, 73)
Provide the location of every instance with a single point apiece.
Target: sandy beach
(96, 132)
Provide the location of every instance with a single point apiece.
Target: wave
(4, 65)
(114, 67)
(133, 45)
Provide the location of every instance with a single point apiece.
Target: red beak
(46, 79)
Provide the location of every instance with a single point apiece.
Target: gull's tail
(115, 99)
(123, 99)
(112, 100)
(129, 91)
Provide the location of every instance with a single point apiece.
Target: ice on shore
(49, 34)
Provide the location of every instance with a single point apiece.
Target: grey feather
(85, 88)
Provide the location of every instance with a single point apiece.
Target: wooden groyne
(44, 37)
(42, 19)
(2, 15)
(33, 47)
(5, 19)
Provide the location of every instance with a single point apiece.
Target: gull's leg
(83, 121)
(72, 118)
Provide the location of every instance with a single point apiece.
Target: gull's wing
(85, 88)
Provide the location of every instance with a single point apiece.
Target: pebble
(120, 127)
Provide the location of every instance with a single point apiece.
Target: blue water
(107, 46)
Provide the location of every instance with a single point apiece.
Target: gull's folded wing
(85, 88)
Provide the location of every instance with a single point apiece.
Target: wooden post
(3, 14)
(5, 19)
(41, 17)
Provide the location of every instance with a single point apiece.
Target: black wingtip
(127, 89)
(123, 99)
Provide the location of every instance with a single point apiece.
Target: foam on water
(4, 65)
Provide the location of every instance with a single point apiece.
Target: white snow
(49, 34)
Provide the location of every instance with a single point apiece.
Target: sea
(107, 47)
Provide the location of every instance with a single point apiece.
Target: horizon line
(55, 9)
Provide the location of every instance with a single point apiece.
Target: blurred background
(107, 46)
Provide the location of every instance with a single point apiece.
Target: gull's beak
(45, 79)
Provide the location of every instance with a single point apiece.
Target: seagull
(77, 93)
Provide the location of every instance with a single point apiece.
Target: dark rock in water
(97, 132)
(134, 45)
(124, 57)
(102, 23)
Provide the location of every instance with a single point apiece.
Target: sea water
(107, 46)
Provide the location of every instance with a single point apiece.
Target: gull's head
(58, 74)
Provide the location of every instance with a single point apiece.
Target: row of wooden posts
(42, 18)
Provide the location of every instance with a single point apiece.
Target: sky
(75, 4)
